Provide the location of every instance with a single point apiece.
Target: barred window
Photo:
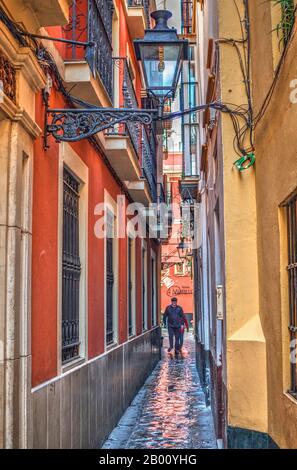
(71, 268)
(292, 274)
(110, 279)
(144, 289)
(130, 286)
(154, 291)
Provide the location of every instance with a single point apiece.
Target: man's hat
(174, 299)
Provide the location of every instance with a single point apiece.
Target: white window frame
(112, 205)
(154, 286)
(133, 280)
(70, 159)
(144, 279)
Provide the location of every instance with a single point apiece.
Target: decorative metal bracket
(73, 125)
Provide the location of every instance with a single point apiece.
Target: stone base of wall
(81, 408)
(239, 438)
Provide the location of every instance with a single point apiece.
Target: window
(292, 273)
(71, 267)
(144, 288)
(131, 286)
(179, 269)
(154, 289)
(110, 279)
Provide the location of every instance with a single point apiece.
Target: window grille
(109, 280)
(130, 285)
(292, 274)
(71, 268)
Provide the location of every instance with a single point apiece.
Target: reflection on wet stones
(172, 412)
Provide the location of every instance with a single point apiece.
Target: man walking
(184, 325)
(174, 317)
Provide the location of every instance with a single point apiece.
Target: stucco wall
(276, 179)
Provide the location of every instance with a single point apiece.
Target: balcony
(138, 17)
(123, 141)
(89, 74)
(49, 13)
(149, 163)
(145, 189)
(189, 189)
(161, 193)
(130, 147)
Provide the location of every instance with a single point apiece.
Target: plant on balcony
(287, 21)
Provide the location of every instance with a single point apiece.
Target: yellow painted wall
(246, 345)
(276, 178)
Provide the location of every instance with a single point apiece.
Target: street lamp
(184, 250)
(161, 53)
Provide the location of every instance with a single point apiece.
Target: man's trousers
(174, 332)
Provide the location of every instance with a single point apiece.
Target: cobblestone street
(169, 412)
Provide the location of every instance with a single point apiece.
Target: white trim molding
(70, 159)
(112, 206)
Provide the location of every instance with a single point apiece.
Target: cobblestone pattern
(169, 412)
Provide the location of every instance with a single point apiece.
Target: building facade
(181, 169)
(244, 267)
(176, 274)
(79, 311)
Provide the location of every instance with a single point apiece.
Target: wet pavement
(169, 412)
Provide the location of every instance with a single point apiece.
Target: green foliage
(285, 26)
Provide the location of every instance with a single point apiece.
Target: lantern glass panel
(161, 63)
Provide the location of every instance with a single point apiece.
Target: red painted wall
(182, 286)
(182, 289)
(45, 241)
(44, 258)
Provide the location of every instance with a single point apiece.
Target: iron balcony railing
(123, 79)
(142, 137)
(146, 6)
(162, 196)
(149, 163)
(92, 21)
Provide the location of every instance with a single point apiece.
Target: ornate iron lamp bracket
(73, 125)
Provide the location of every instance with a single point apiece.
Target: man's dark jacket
(173, 316)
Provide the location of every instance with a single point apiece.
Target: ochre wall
(246, 344)
(276, 179)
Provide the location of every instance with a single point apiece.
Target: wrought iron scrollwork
(73, 125)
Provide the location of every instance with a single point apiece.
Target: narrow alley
(169, 412)
(148, 188)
